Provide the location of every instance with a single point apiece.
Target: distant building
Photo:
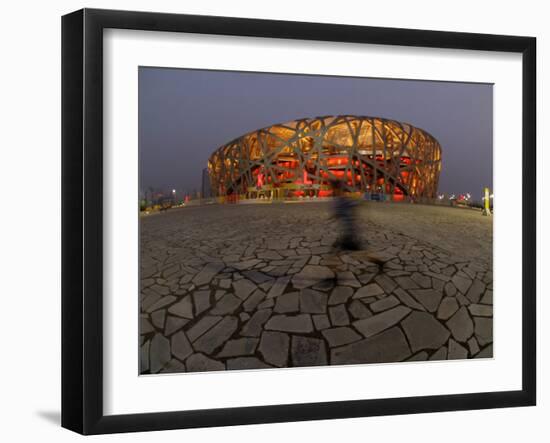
(302, 157)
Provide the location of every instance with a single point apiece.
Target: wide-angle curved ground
(259, 286)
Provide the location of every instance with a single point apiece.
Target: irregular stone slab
(461, 325)
(438, 285)
(299, 324)
(148, 300)
(449, 271)
(254, 300)
(274, 348)
(340, 294)
(229, 259)
(225, 283)
(278, 271)
(435, 273)
(462, 300)
(484, 330)
(246, 363)
(201, 300)
(144, 357)
(159, 353)
(243, 288)
(278, 287)
(173, 366)
(183, 308)
(239, 347)
(163, 302)
(422, 280)
(207, 273)
(171, 270)
(227, 305)
(487, 298)
(478, 310)
(473, 346)
(310, 275)
(358, 310)
(158, 318)
(160, 290)
(325, 286)
(173, 324)
(347, 278)
(265, 286)
(257, 276)
(203, 325)
(456, 351)
(186, 279)
(180, 346)
(386, 283)
(429, 298)
(408, 300)
(216, 336)
(202, 363)
(330, 260)
(424, 331)
(469, 272)
(448, 307)
(388, 346)
(371, 290)
(440, 354)
(461, 283)
(397, 273)
(486, 352)
(406, 282)
(338, 315)
(269, 255)
(476, 291)
(450, 289)
(321, 322)
(276, 244)
(366, 277)
(319, 250)
(287, 303)
(253, 328)
(420, 356)
(145, 326)
(315, 260)
(340, 336)
(269, 303)
(313, 302)
(377, 323)
(384, 304)
(307, 351)
(242, 265)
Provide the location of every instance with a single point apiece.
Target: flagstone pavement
(259, 286)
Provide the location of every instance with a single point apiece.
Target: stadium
(372, 156)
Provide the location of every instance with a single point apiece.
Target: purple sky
(184, 115)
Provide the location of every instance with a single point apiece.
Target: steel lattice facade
(301, 157)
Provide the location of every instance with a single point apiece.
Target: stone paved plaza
(259, 286)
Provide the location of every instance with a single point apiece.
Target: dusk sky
(184, 115)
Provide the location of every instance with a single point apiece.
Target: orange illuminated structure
(301, 157)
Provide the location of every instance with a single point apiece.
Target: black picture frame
(82, 218)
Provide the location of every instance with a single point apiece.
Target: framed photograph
(269, 221)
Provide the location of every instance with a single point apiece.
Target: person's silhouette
(344, 212)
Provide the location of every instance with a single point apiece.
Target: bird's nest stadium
(300, 158)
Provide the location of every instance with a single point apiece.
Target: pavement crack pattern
(260, 286)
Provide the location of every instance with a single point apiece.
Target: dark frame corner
(82, 132)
